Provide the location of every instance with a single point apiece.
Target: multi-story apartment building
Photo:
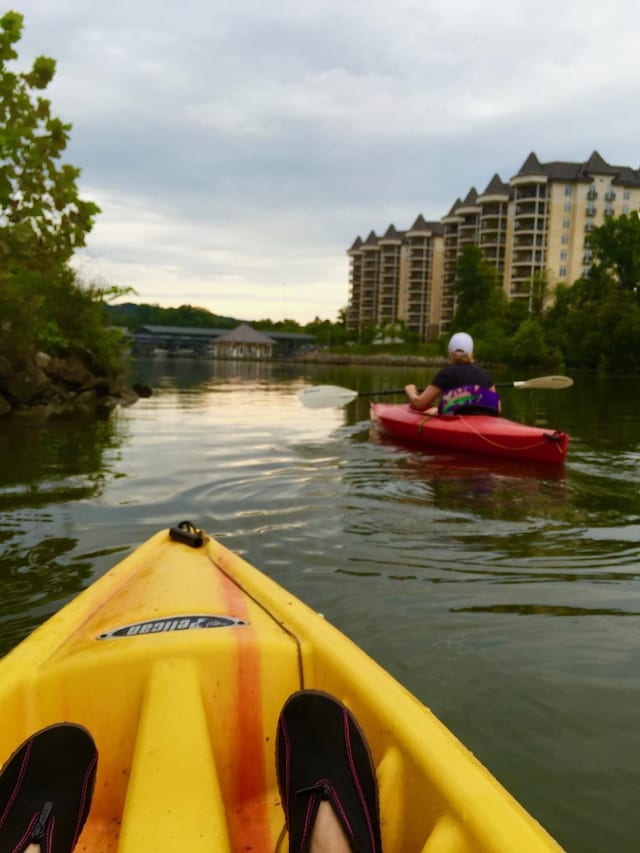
(392, 277)
(537, 223)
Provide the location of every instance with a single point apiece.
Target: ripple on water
(505, 596)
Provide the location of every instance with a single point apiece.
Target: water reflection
(189, 374)
(429, 561)
(46, 469)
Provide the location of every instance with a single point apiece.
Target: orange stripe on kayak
(249, 821)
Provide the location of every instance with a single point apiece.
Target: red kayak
(484, 434)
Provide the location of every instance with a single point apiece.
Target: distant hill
(132, 315)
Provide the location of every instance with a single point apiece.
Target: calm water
(506, 597)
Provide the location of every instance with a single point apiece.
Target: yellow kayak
(179, 660)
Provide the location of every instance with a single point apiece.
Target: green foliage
(596, 323)
(593, 323)
(326, 333)
(539, 292)
(43, 221)
(528, 346)
(616, 248)
(59, 315)
(132, 315)
(479, 294)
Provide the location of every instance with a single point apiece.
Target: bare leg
(327, 835)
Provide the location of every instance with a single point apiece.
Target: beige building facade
(537, 223)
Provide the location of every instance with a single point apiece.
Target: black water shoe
(321, 754)
(46, 788)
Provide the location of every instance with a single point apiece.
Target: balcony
(610, 196)
(531, 192)
(592, 195)
(530, 226)
(531, 207)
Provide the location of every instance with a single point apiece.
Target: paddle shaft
(332, 395)
(386, 391)
(548, 382)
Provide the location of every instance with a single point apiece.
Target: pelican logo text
(172, 623)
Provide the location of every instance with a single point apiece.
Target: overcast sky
(238, 147)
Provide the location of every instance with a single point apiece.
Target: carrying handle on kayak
(188, 534)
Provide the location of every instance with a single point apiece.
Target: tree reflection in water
(45, 467)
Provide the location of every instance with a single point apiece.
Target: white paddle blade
(554, 383)
(323, 396)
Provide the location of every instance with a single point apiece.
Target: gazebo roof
(244, 334)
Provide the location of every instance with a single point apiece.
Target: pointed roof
(371, 241)
(454, 207)
(357, 243)
(420, 224)
(392, 234)
(556, 170)
(496, 186)
(597, 164)
(471, 198)
(244, 334)
(623, 175)
(531, 166)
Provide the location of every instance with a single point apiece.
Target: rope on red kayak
(423, 422)
(466, 422)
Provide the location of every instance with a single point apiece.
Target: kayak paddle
(318, 396)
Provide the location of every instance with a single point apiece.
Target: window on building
(566, 223)
(565, 238)
(625, 208)
(567, 207)
(568, 189)
(564, 255)
(562, 272)
(626, 194)
(585, 270)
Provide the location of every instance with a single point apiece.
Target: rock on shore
(46, 386)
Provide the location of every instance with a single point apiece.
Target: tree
(42, 219)
(528, 345)
(538, 293)
(479, 295)
(42, 222)
(596, 323)
(616, 248)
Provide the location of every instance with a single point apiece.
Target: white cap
(461, 342)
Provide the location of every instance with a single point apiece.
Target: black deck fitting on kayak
(188, 534)
(553, 436)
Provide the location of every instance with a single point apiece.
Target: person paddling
(464, 388)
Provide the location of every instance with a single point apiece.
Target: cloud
(238, 148)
